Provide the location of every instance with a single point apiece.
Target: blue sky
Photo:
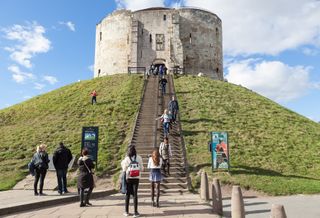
(271, 47)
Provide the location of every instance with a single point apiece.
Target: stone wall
(187, 38)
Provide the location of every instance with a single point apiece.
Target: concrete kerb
(277, 211)
(51, 202)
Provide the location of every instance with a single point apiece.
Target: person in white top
(165, 153)
(133, 166)
(155, 177)
(166, 119)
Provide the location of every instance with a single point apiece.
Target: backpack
(31, 167)
(165, 151)
(40, 161)
(133, 171)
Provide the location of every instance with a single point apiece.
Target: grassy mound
(61, 114)
(273, 149)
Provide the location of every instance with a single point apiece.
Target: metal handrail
(182, 138)
(139, 111)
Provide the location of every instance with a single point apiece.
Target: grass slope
(273, 149)
(61, 114)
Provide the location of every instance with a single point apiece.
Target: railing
(184, 148)
(140, 106)
(136, 70)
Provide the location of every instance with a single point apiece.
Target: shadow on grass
(200, 120)
(264, 172)
(193, 133)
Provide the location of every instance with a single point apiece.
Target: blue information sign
(219, 150)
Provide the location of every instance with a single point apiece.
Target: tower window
(99, 71)
(142, 31)
(164, 17)
(150, 38)
(217, 32)
(190, 38)
(100, 36)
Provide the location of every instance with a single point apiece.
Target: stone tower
(188, 39)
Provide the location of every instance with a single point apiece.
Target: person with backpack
(61, 159)
(41, 161)
(165, 119)
(85, 179)
(154, 164)
(165, 153)
(173, 106)
(133, 166)
(94, 97)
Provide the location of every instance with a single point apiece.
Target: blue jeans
(166, 129)
(62, 180)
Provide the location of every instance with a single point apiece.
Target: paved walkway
(186, 205)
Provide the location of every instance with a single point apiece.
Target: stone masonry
(188, 39)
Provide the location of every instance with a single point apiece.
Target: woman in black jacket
(40, 160)
(85, 179)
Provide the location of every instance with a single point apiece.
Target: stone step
(167, 180)
(164, 191)
(165, 185)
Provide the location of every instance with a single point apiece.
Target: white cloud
(70, 25)
(39, 86)
(30, 41)
(50, 79)
(27, 97)
(272, 79)
(310, 52)
(91, 68)
(18, 75)
(265, 27)
(139, 4)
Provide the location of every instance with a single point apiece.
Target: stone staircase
(148, 134)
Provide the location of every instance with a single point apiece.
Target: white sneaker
(125, 214)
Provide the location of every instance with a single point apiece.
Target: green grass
(273, 149)
(60, 115)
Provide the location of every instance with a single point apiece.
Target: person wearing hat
(41, 161)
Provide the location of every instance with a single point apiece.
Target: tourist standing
(41, 161)
(85, 179)
(94, 97)
(173, 106)
(165, 153)
(133, 166)
(61, 159)
(154, 164)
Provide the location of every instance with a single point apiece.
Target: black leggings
(39, 174)
(132, 189)
(157, 184)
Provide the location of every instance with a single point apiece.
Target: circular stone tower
(184, 39)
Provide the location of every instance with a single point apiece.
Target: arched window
(190, 38)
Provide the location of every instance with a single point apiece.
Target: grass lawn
(60, 115)
(272, 149)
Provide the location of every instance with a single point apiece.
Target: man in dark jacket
(61, 159)
(173, 106)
